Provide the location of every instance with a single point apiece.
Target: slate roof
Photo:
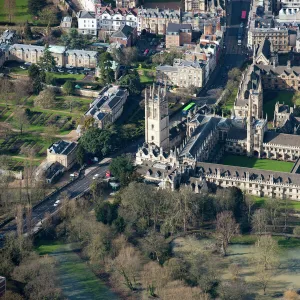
(254, 174)
(282, 139)
(86, 15)
(62, 147)
(265, 49)
(278, 70)
(237, 134)
(123, 32)
(205, 125)
(173, 27)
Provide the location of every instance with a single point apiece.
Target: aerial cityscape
(150, 149)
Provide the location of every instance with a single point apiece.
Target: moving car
(57, 202)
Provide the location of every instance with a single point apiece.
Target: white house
(87, 23)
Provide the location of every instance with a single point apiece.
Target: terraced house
(63, 57)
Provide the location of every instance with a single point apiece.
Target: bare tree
(10, 8)
(20, 118)
(45, 99)
(226, 229)
(259, 221)
(265, 260)
(5, 88)
(126, 267)
(29, 218)
(19, 220)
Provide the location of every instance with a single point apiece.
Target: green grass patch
(272, 97)
(146, 79)
(21, 13)
(244, 239)
(230, 101)
(287, 242)
(256, 163)
(43, 247)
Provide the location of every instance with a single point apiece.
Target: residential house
(110, 19)
(183, 73)
(125, 36)
(62, 152)
(66, 23)
(8, 37)
(108, 106)
(81, 58)
(87, 22)
(178, 35)
(127, 3)
(156, 20)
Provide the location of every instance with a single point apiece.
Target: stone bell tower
(157, 117)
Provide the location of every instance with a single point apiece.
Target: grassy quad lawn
(270, 99)
(230, 101)
(256, 163)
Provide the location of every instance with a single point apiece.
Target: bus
(187, 108)
(244, 15)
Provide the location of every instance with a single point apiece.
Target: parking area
(22, 67)
(149, 44)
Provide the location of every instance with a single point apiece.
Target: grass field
(252, 162)
(21, 14)
(270, 99)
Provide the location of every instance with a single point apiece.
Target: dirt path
(76, 278)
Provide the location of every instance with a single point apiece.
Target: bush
(296, 230)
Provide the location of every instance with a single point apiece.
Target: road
(233, 56)
(72, 190)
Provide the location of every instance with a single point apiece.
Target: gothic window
(152, 138)
(152, 126)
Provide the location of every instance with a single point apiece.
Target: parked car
(27, 64)
(87, 69)
(23, 68)
(60, 70)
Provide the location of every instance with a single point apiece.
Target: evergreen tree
(27, 32)
(47, 61)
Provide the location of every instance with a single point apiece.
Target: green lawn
(230, 101)
(252, 162)
(270, 99)
(21, 15)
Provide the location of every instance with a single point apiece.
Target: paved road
(233, 56)
(74, 189)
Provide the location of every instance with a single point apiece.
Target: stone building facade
(156, 20)
(183, 73)
(195, 161)
(63, 57)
